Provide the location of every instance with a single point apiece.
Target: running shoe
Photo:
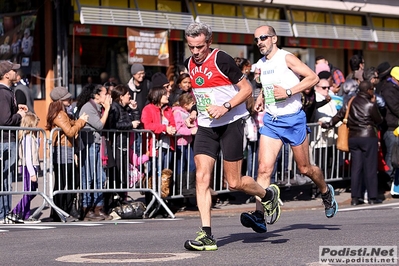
(275, 216)
(201, 243)
(272, 206)
(330, 204)
(14, 218)
(254, 220)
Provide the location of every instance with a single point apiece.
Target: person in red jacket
(157, 116)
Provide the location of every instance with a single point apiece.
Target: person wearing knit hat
(159, 80)
(136, 68)
(322, 67)
(139, 86)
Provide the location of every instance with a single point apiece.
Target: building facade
(79, 41)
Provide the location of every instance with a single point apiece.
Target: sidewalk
(238, 205)
(293, 198)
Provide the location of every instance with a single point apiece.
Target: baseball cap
(6, 66)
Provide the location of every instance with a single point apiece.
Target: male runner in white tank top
(284, 120)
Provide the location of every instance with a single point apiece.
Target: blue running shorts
(290, 129)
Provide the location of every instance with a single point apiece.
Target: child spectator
(185, 155)
(29, 160)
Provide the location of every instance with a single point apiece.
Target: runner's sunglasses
(262, 38)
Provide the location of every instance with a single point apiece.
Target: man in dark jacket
(22, 92)
(390, 94)
(10, 115)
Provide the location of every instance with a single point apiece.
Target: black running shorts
(228, 138)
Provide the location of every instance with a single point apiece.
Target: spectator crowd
(166, 105)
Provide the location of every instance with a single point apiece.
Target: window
(115, 3)
(269, 13)
(202, 8)
(298, 16)
(352, 20)
(169, 5)
(316, 17)
(147, 5)
(224, 10)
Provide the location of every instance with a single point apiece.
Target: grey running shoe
(201, 243)
(330, 204)
(272, 206)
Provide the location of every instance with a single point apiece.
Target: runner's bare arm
(298, 67)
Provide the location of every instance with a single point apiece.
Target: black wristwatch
(289, 93)
(227, 105)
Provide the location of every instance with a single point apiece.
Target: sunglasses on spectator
(325, 87)
(262, 38)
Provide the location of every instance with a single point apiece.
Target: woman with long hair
(64, 147)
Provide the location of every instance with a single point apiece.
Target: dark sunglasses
(325, 87)
(262, 38)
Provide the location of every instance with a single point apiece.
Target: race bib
(204, 99)
(268, 93)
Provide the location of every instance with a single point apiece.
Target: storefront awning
(387, 36)
(243, 25)
(337, 32)
(134, 18)
(178, 21)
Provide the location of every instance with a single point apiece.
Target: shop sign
(383, 46)
(148, 47)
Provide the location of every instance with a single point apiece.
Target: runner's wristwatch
(289, 93)
(227, 105)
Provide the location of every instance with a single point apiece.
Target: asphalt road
(293, 240)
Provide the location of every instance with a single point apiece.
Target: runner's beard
(265, 52)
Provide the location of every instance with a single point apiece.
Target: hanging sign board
(148, 47)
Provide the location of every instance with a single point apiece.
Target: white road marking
(136, 257)
(365, 207)
(23, 226)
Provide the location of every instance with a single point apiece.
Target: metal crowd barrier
(12, 178)
(121, 176)
(135, 176)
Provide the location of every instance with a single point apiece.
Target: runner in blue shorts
(284, 120)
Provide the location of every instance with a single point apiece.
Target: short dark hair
(155, 95)
(118, 91)
(355, 62)
(365, 85)
(319, 57)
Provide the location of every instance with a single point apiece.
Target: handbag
(343, 131)
(130, 209)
